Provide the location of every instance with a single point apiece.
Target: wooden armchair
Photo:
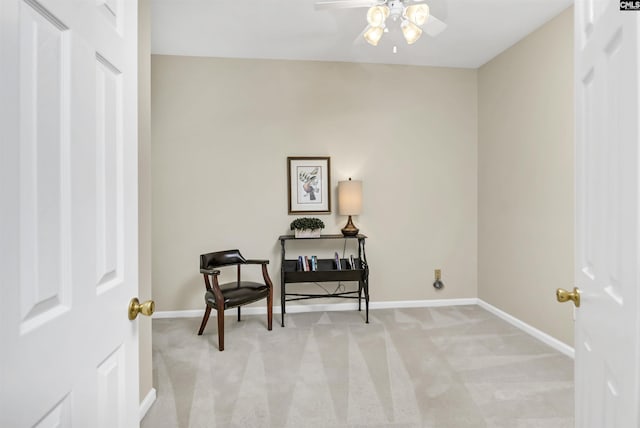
(232, 294)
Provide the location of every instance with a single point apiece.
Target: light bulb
(376, 15)
(417, 13)
(411, 31)
(373, 35)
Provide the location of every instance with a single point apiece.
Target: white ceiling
(477, 31)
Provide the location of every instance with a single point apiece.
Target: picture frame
(308, 181)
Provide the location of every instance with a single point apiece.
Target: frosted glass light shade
(350, 197)
(417, 13)
(411, 31)
(376, 15)
(373, 35)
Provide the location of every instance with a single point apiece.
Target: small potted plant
(307, 227)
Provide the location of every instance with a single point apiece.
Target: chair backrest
(221, 258)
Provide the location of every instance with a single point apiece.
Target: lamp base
(350, 229)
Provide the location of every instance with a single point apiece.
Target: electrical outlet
(437, 284)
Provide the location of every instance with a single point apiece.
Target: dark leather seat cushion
(235, 296)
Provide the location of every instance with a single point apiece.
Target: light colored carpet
(448, 367)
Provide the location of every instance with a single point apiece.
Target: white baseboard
(540, 335)
(148, 401)
(191, 313)
(423, 303)
(292, 309)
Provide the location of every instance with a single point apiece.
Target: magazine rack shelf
(326, 272)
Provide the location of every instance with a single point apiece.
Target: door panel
(108, 179)
(111, 391)
(44, 242)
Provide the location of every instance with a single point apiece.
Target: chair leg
(207, 312)
(238, 313)
(269, 310)
(221, 329)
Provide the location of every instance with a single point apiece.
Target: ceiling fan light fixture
(373, 35)
(376, 15)
(417, 13)
(410, 31)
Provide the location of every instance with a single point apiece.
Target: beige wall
(144, 190)
(223, 128)
(525, 178)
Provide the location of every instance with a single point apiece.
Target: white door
(607, 215)
(68, 213)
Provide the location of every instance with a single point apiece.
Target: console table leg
(283, 292)
(366, 299)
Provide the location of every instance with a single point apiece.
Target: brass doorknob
(563, 296)
(136, 308)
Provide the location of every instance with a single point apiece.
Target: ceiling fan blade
(346, 4)
(433, 26)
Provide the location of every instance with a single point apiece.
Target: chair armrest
(210, 271)
(257, 262)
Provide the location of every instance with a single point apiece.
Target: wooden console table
(289, 273)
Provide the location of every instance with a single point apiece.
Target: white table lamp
(350, 203)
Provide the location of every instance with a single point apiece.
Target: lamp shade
(417, 13)
(376, 15)
(350, 197)
(411, 31)
(373, 35)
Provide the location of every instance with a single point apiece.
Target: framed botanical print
(308, 181)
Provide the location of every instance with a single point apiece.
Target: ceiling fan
(413, 16)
